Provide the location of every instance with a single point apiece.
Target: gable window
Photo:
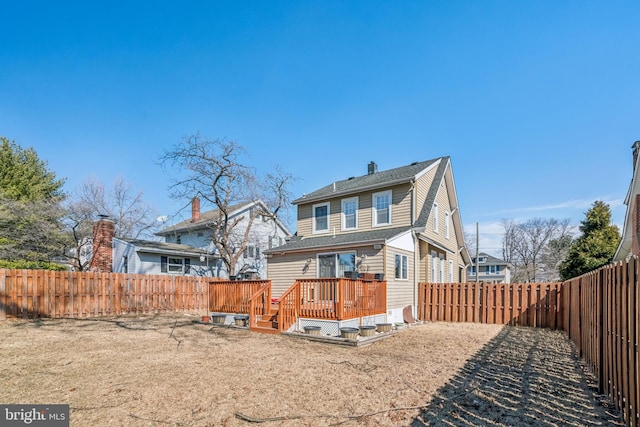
(350, 214)
(446, 224)
(382, 208)
(401, 267)
(321, 218)
(435, 217)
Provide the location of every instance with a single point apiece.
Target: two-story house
(264, 232)
(402, 225)
(490, 269)
(188, 247)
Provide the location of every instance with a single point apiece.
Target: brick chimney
(372, 168)
(195, 209)
(103, 232)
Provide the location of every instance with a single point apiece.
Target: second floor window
(350, 214)
(321, 218)
(382, 208)
(435, 217)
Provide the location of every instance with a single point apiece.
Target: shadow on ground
(524, 376)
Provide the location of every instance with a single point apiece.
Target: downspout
(416, 261)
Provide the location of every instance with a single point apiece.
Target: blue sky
(536, 102)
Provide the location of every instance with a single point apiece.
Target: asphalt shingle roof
(360, 183)
(206, 218)
(154, 246)
(371, 236)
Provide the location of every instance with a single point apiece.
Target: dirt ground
(167, 370)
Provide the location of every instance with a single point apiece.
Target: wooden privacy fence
(526, 304)
(601, 317)
(56, 294)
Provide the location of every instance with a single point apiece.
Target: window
(350, 214)
(446, 225)
(450, 271)
(492, 269)
(441, 270)
(125, 264)
(174, 265)
(321, 218)
(473, 270)
(382, 208)
(401, 267)
(335, 265)
(178, 239)
(435, 217)
(434, 268)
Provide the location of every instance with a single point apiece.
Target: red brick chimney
(103, 232)
(195, 209)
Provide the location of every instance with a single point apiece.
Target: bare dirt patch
(168, 370)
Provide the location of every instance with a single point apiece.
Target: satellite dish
(162, 218)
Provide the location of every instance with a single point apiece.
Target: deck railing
(231, 296)
(331, 299)
(260, 303)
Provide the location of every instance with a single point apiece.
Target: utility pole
(477, 252)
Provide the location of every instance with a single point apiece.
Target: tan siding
(283, 270)
(442, 199)
(304, 220)
(400, 212)
(423, 184)
(400, 293)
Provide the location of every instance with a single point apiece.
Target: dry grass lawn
(167, 370)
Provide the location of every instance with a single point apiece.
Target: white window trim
(402, 257)
(450, 271)
(435, 217)
(447, 220)
(374, 211)
(342, 214)
(313, 217)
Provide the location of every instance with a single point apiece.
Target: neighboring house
(629, 244)
(402, 225)
(119, 255)
(265, 233)
(492, 269)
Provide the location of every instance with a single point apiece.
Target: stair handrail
(289, 307)
(260, 304)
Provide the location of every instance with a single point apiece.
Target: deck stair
(267, 323)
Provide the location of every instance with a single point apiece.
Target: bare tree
(525, 244)
(132, 217)
(213, 170)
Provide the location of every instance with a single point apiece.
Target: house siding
(422, 190)
(259, 236)
(283, 270)
(400, 211)
(400, 293)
